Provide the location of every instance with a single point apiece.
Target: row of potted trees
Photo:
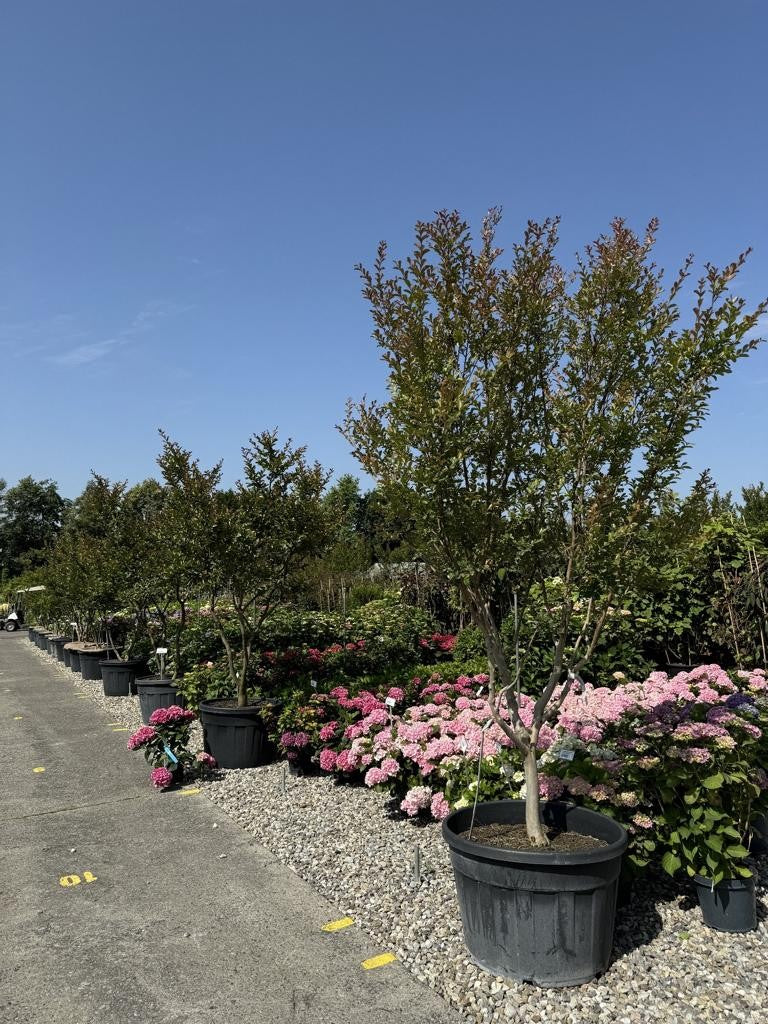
(119, 676)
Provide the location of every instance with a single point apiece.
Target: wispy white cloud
(147, 319)
(87, 353)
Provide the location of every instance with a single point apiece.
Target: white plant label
(565, 755)
(480, 691)
(313, 683)
(161, 650)
(390, 702)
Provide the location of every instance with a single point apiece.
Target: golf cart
(14, 619)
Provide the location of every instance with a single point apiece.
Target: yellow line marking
(379, 961)
(17, 718)
(38, 770)
(190, 791)
(123, 728)
(336, 926)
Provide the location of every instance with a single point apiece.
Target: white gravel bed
(668, 967)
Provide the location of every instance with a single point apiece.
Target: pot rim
(731, 884)
(214, 707)
(544, 857)
(125, 663)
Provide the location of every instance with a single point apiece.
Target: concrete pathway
(120, 904)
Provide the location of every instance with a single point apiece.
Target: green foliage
(250, 545)
(30, 519)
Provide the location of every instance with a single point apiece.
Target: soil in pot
(515, 837)
(540, 915)
(236, 737)
(730, 906)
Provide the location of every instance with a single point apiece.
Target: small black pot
(66, 655)
(32, 635)
(119, 677)
(90, 663)
(236, 737)
(538, 915)
(156, 693)
(74, 659)
(730, 906)
(52, 641)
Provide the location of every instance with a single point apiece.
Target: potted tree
(533, 419)
(247, 548)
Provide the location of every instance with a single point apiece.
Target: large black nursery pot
(236, 737)
(66, 656)
(73, 649)
(119, 677)
(50, 643)
(538, 915)
(729, 906)
(90, 662)
(42, 637)
(32, 635)
(156, 692)
(57, 643)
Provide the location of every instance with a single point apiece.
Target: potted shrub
(534, 417)
(246, 549)
(165, 744)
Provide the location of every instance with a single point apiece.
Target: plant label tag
(161, 650)
(170, 754)
(390, 702)
(480, 691)
(565, 755)
(313, 683)
(463, 745)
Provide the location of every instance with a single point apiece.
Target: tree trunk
(533, 823)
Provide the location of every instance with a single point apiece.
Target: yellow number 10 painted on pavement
(69, 880)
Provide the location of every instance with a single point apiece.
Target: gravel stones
(667, 968)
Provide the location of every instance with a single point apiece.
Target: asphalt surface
(172, 921)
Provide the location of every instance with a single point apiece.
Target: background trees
(31, 513)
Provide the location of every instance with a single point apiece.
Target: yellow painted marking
(38, 770)
(17, 718)
(123, 728)
(379, 961)
(189, 791)
(336, 926)
(67, 881)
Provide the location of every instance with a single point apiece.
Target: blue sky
(186, 187)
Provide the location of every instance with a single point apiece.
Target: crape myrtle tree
(247, 548)
(534, 417)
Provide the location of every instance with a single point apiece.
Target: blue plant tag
(170, 754)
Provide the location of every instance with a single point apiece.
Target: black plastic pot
(50, 643)
(156, 693)
(119, 677)
(57, 643)
(236, 737)
(90, 663)
(66, 655)
(41, 639)
(730, 906)
(74, 659)
(32, 635)
(538, 915)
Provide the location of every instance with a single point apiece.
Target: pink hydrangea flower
(328, 759)
(161, 778)
(550, 787)
(416, 799)
(439, 807)
(328, 731)
(141, 737)
(375, 777)
(206, 760)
